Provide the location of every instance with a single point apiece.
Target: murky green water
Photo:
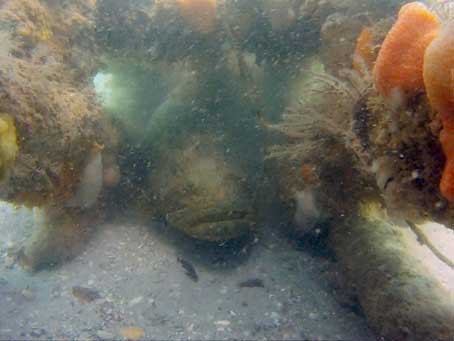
(225, 169)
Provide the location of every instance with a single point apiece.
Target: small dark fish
(189, 269)
(252, 283)
(85, 295)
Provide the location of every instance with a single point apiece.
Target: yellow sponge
(8, 142)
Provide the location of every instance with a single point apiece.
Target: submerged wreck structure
(53, 133)
(180, 123)
(392, 117)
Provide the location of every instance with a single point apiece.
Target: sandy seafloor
(134, 268)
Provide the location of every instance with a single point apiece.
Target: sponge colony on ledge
(8, 142)
(398, 71)
(439, 82)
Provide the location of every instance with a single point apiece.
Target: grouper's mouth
(213, 223)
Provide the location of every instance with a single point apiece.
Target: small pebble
(37, 333)
(274, 316)
(223, 323)
(27, 293)
(9, 262)
(135, 301)
(103, 335)
(313, 316)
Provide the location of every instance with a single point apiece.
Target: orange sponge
(439, 83)
(199, 14)
(364, 57)
(398, 71)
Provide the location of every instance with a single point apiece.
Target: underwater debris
(393, 283)
(189, 269)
